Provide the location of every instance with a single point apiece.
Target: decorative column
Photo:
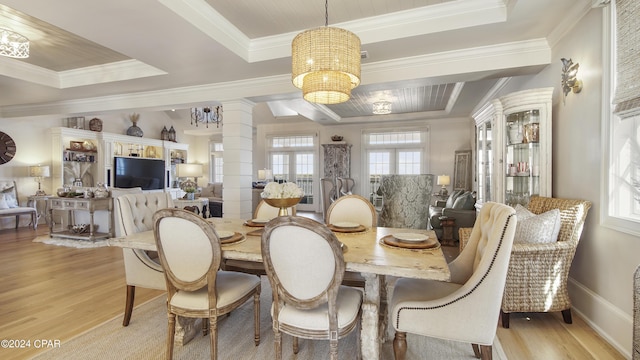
(237, 140)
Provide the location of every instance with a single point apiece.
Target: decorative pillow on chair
(452, 198)
(3, 203)
(464, 201)
(536, 229)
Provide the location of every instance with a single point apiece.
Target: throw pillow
(3, 203)
(452, 198)
(464, 201)
(11, 200)
(536, 229)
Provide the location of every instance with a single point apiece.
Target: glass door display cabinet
(520, 164)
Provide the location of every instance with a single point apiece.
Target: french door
(298, 167)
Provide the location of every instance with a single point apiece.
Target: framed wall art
(462, 170)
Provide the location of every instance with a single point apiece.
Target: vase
(282, 204)
(134, 130)
(191, 196)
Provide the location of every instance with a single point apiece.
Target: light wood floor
(54, 293)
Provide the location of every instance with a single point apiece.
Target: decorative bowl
(81, 228)
(337, 138)
(282, 204)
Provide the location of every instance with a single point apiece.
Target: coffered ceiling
(430, 58)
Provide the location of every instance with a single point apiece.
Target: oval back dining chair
(305, 266)
(189, 249)
(352, 208)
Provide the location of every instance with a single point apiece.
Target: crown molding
(401, 24)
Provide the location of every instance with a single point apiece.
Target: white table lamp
(39, 172)
(189, 170)
(443, 180)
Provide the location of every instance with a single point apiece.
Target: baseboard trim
(609, 321)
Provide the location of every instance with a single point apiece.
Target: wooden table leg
(370, 345)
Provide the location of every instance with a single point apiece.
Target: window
(621, 198)
(292, 158)
(393, 152)
(217, 162)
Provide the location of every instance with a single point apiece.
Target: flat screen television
(131, 172)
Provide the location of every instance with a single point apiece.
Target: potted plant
(191, 192)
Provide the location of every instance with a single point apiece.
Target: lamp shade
(188, 170)
(443, 180)
(39, 171)
(325, 64)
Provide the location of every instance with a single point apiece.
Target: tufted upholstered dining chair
(305, 266)
(352, 208)
(467, 308)
(189, 249)
(133, 213)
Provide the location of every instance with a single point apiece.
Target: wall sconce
(569, 80)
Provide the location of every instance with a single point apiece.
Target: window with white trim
(393, 152)
(293, 158)
(621, 198)
(217, 162)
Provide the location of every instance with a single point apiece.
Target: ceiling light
(13, 44)
(325, 63)
(382, 107)
(207, 115)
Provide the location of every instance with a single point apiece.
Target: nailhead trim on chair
(504, 229)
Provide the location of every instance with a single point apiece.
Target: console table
(81, 204)
(202, 204)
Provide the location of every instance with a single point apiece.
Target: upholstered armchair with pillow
(540, 259)
(213, 191)
(460, 205)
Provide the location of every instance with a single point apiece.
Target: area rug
(145, 338)
(79, 244)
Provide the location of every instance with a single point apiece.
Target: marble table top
(365, 253)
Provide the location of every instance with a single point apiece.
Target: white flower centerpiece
(282, 195)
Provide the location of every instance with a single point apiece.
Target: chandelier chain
(326, 12)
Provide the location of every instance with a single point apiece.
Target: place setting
(229, 237)
(346, 227)
(409, 240)
(256, 222)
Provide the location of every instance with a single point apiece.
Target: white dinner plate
(260, 221)
(346, 224)
(223, 234)
(411, 237)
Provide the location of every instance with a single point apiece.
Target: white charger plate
(411, 237)
(260, 221)
(223, 234)
(346, 224)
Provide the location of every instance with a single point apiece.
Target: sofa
(213, 191)
(460, 205)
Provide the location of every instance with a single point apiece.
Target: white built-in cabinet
(513, 147)
(88, 156)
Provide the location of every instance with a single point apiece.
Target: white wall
(445, 137)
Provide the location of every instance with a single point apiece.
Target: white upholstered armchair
(467, 308)
(134, 213)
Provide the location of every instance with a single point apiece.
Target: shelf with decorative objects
(89, 155)
(513, 152)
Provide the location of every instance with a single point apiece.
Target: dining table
(365, 251)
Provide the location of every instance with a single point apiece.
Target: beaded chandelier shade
(325, 63)
(13, 44)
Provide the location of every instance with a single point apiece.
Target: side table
(41, 204)
(202, 204)
(447, 224)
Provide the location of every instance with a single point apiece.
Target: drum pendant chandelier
(325, 63)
